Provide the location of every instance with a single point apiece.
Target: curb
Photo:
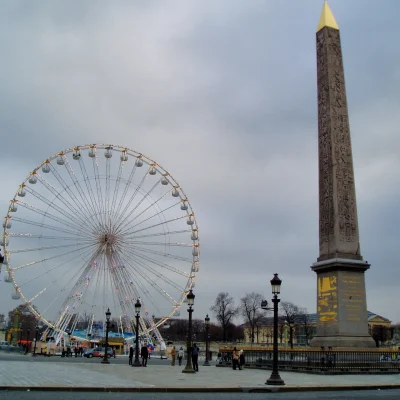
(195, 389)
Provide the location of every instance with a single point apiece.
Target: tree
(24, 321)
(224, 310)
(381, 334)
(250, 308)
(290, 312)
(303, 320)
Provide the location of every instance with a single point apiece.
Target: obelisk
(341, 299)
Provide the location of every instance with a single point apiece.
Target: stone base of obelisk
(342, 319)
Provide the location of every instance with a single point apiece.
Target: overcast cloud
(223, 95)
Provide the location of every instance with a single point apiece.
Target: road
(117, 360)
(346, 395)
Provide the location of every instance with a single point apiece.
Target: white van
(4, 345)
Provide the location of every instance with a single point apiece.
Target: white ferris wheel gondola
(95, 228)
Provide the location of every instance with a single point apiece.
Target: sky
(223, 95)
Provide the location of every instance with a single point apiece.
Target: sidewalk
(17, 375)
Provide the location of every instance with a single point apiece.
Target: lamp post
(138, 306)
(105, 358)
(36, 336)
(20, 333)
(188, 368)
(275, 378)
(207, 325)
(27, 338)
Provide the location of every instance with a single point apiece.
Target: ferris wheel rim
(121, 149)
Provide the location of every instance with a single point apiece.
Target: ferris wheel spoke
(51, 227)
(128, 287)
(74, 210)
(51, 258)
(95, 165)
(126, 190)
(32, 236)
(53, 205)
(117, 185)
(80, 280)
(85, 203)
(133, 261)
(158, 213)
(145, 196)
(164, 244)
(48, 271)
(162, 264)
(107, 193)
(155, 225)
(79, 207)
(53, 217)
(154, 272)
(89, 188)
(160, 253)
(43, 248)
(122, 213)
(127, 236)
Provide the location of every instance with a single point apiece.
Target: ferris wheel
(96, 227)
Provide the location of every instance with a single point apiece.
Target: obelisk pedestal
(341, 298)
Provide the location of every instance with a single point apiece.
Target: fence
(321, 361)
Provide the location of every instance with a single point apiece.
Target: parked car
(5, 345)
(98, 352)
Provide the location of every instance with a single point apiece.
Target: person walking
(195, 357)
(242, 360)
(235, 358)
(173, 356)
(130, 355)
(144, 352)
(180, 355)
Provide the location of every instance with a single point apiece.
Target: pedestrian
(76, 351)
(130, 355)
(173, 356)
(144, 352)
(195, 357)
(242, 360)
(180, 355)
(235, 358)
(113, 352)
(150, 350)
(81, 351)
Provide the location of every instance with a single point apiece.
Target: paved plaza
(59, 375)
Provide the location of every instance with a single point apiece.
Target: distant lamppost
(275, 378)
(36, 336)
(27, 338)
(105, 358)
(138, 306)
(207, 324)
(20, 333)
(188, 368)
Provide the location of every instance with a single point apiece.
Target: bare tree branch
(224, 310)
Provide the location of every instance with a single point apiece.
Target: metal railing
(323, 361)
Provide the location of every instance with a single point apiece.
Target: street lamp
(105, 358)
(189, 369)
(138, 306)
(207, 325)
(275, 378)
(20, 333)
(36, 336)
(27, 338)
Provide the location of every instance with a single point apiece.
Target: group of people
(144, 354)
(178, 353)
(195, 356)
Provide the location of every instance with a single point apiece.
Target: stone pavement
(19, 375)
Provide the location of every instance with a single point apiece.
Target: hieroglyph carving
(338, 211)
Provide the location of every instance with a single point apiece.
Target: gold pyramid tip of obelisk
(327, 18)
